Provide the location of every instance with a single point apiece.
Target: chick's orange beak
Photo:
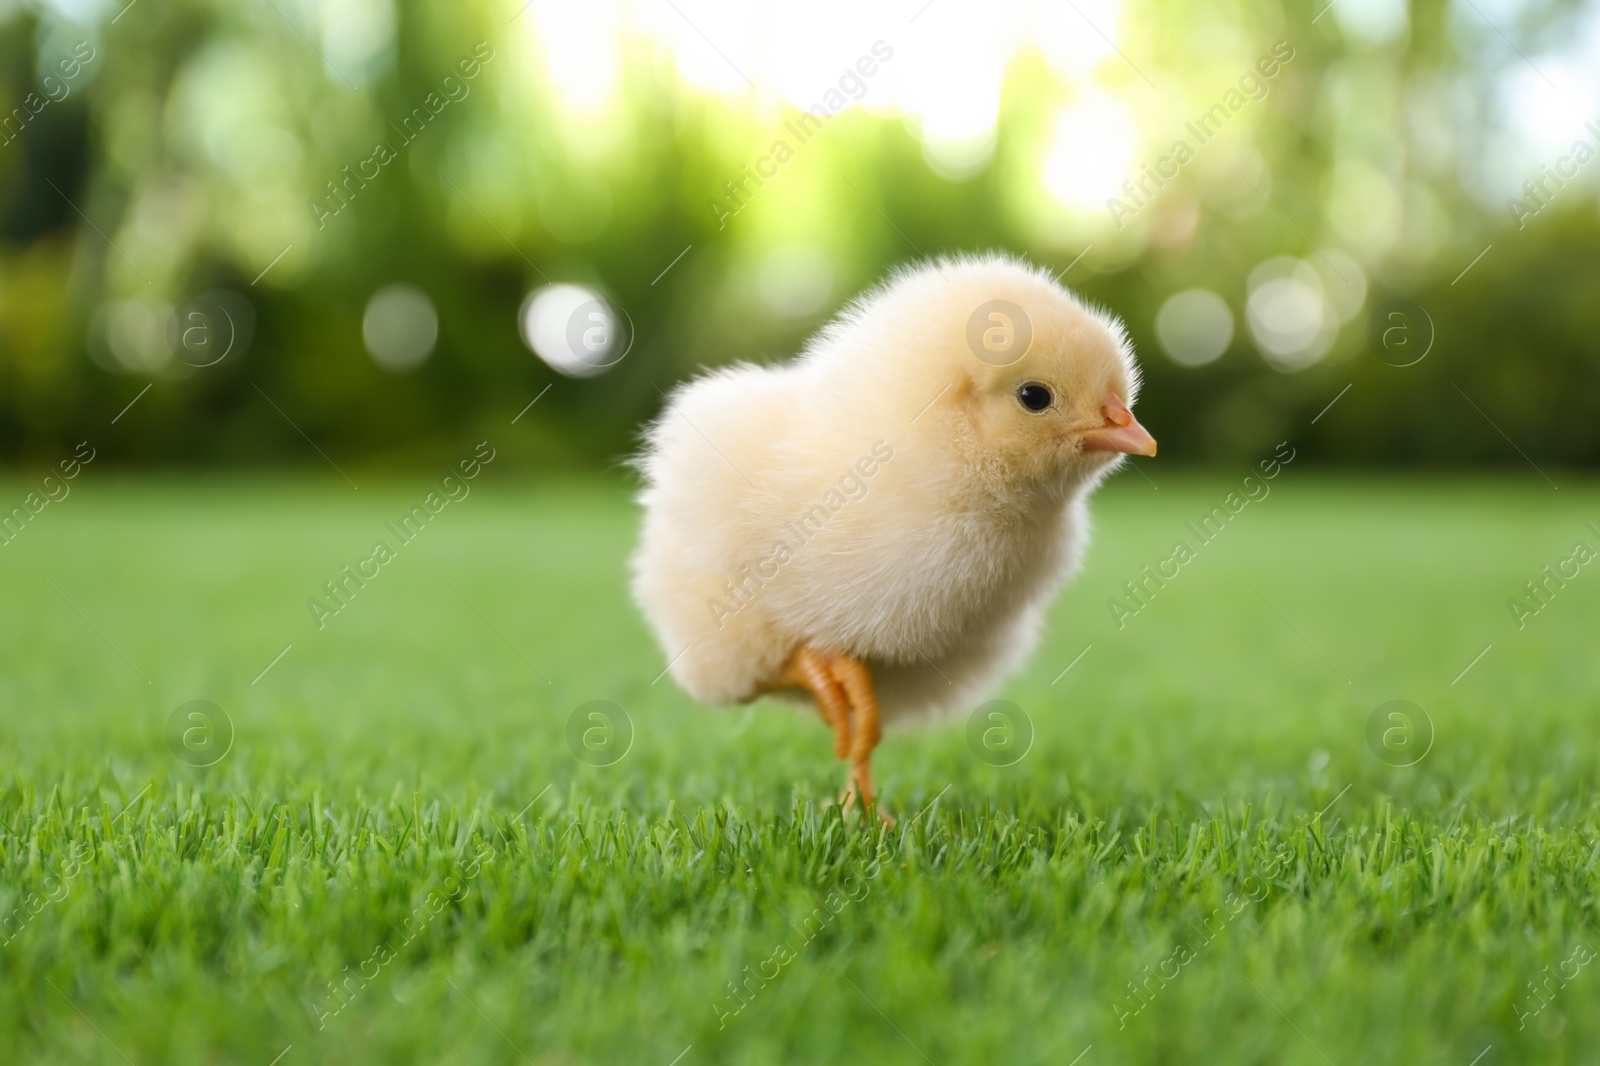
(1121, 432)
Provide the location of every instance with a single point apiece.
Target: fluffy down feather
(885, 494)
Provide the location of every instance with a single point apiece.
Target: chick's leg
(809, 669)
(856, 681)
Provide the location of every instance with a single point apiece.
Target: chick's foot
(842, 687)
(856, 680)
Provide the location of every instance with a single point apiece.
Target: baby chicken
(881, 524)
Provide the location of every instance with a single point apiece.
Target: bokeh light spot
(1194, 327)
(135, 334)
(1288, 320)
(574, 330)
(795, 281)
(400, 327)
(1093, 153)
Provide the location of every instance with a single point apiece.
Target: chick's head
(1044, 384)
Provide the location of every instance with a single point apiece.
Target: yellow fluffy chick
(883, 522)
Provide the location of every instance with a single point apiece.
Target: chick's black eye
(1034, 397)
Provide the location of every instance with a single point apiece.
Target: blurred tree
(251, 174)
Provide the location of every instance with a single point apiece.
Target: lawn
(1204, 855)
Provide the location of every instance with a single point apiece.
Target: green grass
(1200, 799)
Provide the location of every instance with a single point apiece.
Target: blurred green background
(244, 245)
(354, 206)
